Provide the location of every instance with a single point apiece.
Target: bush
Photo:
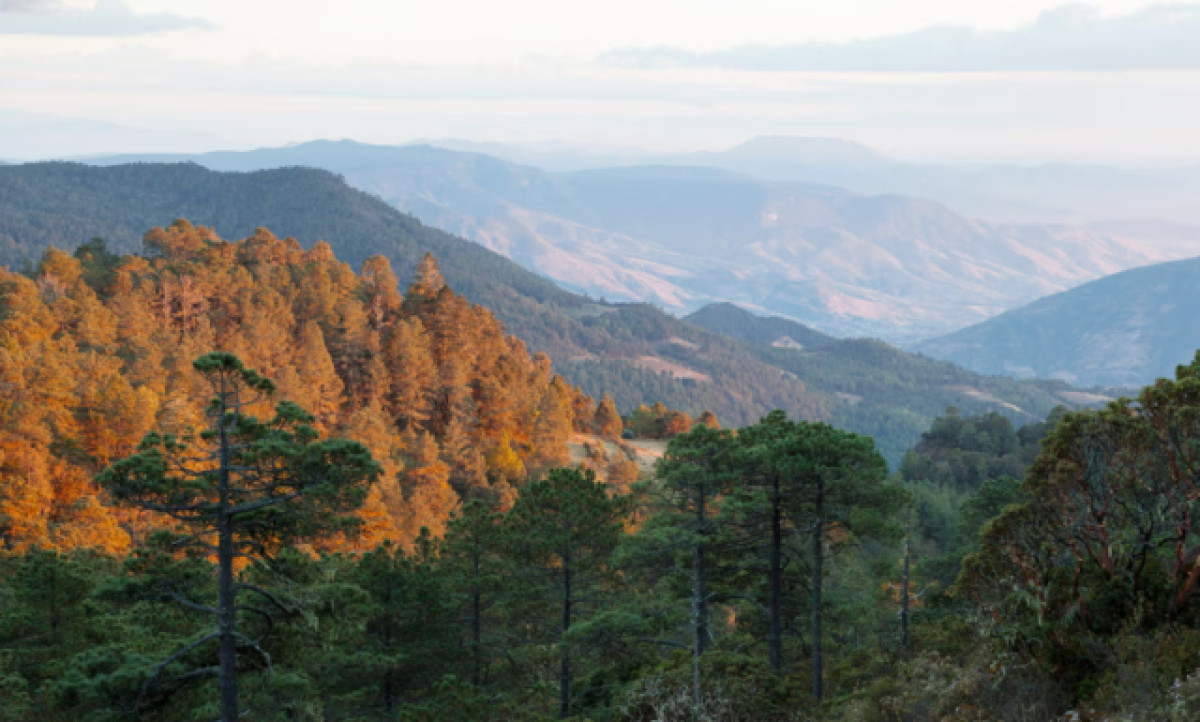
(734, 688)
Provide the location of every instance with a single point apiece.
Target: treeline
(772, 572)
(893, 396)
(63, 204)
(95, 351)
(567, 604)
(601, 352)
(620, 349)
(961, 474)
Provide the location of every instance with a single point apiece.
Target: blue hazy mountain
(682, 236)
(1123, 330)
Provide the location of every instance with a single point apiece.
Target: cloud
(23, 6)
(108, 18)
(1067, 38)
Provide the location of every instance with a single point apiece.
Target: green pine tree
(241, 487)
(562, 532)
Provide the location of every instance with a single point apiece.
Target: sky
(1113, 81)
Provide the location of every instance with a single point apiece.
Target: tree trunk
(227, 655)
(904, 597)
(699, 600)
(226, 603)
(476, 626)
(389, 694)
(564, 675)
(775, 582)
(1189, 586)
(818, 561)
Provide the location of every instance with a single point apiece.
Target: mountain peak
(810, 150)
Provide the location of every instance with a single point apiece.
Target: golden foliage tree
(608, 421)
(97, 349)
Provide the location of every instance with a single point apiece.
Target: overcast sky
(1026, 80)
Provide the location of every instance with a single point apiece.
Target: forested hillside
(66, 204)
(609, 422)
(411, 537)
(95, 351)
(768, 575)
(635, 352)
(730, 320)
(1123, 330)
(882, 391)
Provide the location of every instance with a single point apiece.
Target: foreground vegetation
(772, 573)
(393, 528)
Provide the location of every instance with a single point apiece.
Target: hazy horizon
(146, 141)
(1034, 81)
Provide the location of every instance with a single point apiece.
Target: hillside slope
(680, 236)
(730, 320)
(881, 390)
(65, 204)
(1123, 330)
(634, 351)
(97, 350)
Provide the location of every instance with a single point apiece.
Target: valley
(618, 361)
(680, 236)
(635, 352)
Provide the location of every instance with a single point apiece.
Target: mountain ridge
(1057, 191)
(731, 320)
(886, 265)
(633, 351)
(1123, 330)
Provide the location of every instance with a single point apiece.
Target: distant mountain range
(26, 136)
(1006, 193)
(770, 157)
(634, 351)
(1123, 330)
(890, 266)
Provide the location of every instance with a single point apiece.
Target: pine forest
(242, 480)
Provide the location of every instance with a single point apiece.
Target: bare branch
(261, 612)
(173, 509)
(259, 590)
(262, 503)
(254, 645)
(199, 672)
(185, 602)
(662, 642)
(163, 664)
